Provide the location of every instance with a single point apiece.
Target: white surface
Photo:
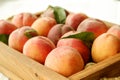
(2, 77)
(102, 9)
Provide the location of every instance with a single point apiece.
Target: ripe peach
(93, 25)
(105, 46)
(78, 45)
(74, 19)
(115, 30)
(43, 24)
(24, 19)
(38, 48)
(64, 60)
(57, 31)
(49, 12)
(19, 36)
(6, 27)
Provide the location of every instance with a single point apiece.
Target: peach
(115, 30)
(78, 45)
(19, 36)
(93, 25)
(23, 19)
(49, 12)
(6, 27)
(43, 24)
(105, 46)
(65, 60)
(74, 19)
(37, 48)
(57, 31)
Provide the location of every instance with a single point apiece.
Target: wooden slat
(9, 74)
(24, 67)
(109, 68)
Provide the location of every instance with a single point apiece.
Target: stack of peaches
(61, 40)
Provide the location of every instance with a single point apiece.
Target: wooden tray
(17, 66)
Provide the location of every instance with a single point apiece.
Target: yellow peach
(43, 24)
(105, 46)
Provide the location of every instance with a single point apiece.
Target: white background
(108, 10)
(102, 9)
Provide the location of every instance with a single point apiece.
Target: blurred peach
(74, 19)
(6, 27)
(57, 31)
(43, 24)
(23, 19)
(96, 26)
(18, 37)
(115, 30)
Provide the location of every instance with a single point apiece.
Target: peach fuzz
(38, 48)
(78, 45)
(19, 36)
(64, 60)
(105, 46)
(96, 26)
(115, 30)
(23, 19)
(74, 19)
(57, 31)
(43, 24)
(6, 27)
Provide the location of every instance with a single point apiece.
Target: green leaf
(60, 14)
(86, 37)
(30, 33)
(4, 38)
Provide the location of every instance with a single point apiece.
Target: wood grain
(10, 75)
(24, 67)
